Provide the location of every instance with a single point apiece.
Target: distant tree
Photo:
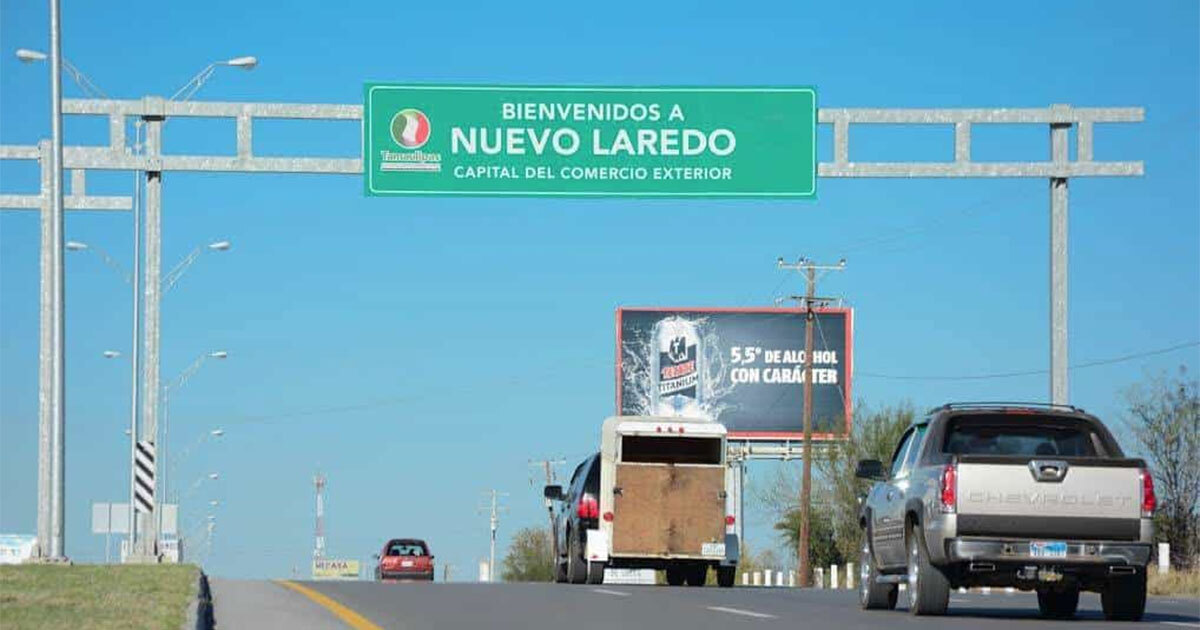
(876, 433)
(1163, 414)
(529, 557)
(822, 546)
(836, 536)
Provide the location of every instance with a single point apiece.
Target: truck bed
(667, 510)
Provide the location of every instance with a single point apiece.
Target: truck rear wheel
(928, 588)
(675, 576)
(560, 571)
(726, 576)
(1058, 604)
(871, 594)
(1124, 598)
(576, 566)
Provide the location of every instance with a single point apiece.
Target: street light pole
(183, 377)
(152, 277)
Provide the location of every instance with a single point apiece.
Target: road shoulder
(254, 604)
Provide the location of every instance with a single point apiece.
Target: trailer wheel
(726, 576)
(697, 575)
(675, 575)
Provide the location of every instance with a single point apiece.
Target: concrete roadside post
(833, 577)
(850, 575)
(1164, 558)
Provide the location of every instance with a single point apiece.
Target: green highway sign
(589, 141)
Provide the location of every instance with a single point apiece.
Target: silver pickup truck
(1037, 497)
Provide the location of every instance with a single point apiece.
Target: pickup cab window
(1007, 434)
(910, 458)
(901, 452)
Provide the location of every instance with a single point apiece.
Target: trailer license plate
(712, 549)
(406, 563)
(1048, 549)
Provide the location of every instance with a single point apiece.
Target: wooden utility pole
(810, 270)
(548, 467)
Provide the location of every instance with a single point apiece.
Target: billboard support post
(810, 276)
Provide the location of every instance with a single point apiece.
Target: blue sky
(420, 351)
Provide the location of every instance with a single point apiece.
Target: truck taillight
(588, 508)
(1149, 499)
(730, 520)
(608, 517)
(949, 488)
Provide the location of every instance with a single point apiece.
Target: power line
(1077, 366)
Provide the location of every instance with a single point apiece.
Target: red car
(405, 559)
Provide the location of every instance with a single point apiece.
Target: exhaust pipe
(981, 567)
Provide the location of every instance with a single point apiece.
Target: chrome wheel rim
(864, 573)
(914, 576)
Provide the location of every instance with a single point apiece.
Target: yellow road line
(352, 619)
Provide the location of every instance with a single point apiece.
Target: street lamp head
(842, 262)
(246, 63)
(213, 476)
(219, 354)
(220, 246)
(76, 246)
(214, 503)
(30, 56)
(111, 354)
(217, 432)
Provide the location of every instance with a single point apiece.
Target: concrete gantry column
(1059, 392)
(152, 285)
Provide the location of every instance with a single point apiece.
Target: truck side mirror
(553, 493)
(870, 469)
(375, 555)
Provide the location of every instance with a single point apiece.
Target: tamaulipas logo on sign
(589, 141)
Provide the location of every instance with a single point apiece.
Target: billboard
(330, 569)
(489, 140)
(741, 367)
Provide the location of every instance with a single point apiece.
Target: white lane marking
(959, 600)
(608, 592)
(739, 611)
(1181, 623)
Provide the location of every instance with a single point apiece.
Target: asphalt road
(241, 605)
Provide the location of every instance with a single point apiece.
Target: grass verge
(99, 597)
(1175, 583)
